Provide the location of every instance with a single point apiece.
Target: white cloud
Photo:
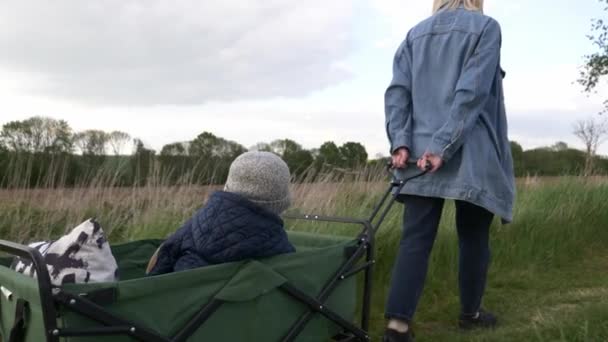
(212, 66)
(175, 52)
(399, 16)
(402, 15)
(309, 121)
(549, 88)
(544, 102)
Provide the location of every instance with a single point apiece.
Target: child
(241, 222)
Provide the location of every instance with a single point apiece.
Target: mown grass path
(568, 303)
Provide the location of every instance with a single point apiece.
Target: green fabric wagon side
(245, 301)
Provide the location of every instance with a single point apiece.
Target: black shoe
(391, 335)
(484, 320)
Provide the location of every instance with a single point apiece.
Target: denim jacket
(446, 97)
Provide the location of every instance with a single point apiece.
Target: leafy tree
(298, 161)
(37, 135)
(213, 156)
(208, 146)
(92, 142)
(117, 141)
(284, 147)
(518, 158)
(140, 148)
(516, 149)
(559, 146)
(204, 145)
(229, 150)
(261, 146)
(546, 162)
(15, 136)
(143, 160)
(353, 154)
(297, 158)
(175, 149)
(596, 64)
(329, 154)
(176, 165)
(51, 135)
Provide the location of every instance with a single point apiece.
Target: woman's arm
(472, 91)
(398, 101)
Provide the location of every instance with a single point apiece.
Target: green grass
(548, 280)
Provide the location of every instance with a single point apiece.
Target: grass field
(549, 274)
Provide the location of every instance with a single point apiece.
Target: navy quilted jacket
(229, 228)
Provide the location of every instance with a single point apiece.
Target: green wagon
(310, 295)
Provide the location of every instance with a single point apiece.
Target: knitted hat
(261, 177)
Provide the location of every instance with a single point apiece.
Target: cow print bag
(82, 256)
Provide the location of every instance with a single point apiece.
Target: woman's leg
(473, 225)
(420, 221)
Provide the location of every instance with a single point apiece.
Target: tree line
(556, 160)
(44, 152)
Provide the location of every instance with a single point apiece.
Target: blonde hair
(471, 5)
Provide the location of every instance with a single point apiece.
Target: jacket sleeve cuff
(399, 142)
(440, 149)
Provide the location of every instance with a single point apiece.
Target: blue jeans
(420, 222)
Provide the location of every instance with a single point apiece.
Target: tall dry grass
(155, 210)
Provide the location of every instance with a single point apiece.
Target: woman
(445, 108)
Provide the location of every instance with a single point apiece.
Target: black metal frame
(53, 297)
(350, 268)
(49, 313)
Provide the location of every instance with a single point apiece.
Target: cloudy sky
(259, 70)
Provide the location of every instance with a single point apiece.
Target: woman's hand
(433, 160)
(400, 157)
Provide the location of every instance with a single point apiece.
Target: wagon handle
(365, 242)
(412, 162)
(44, 282)
(395, 187)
